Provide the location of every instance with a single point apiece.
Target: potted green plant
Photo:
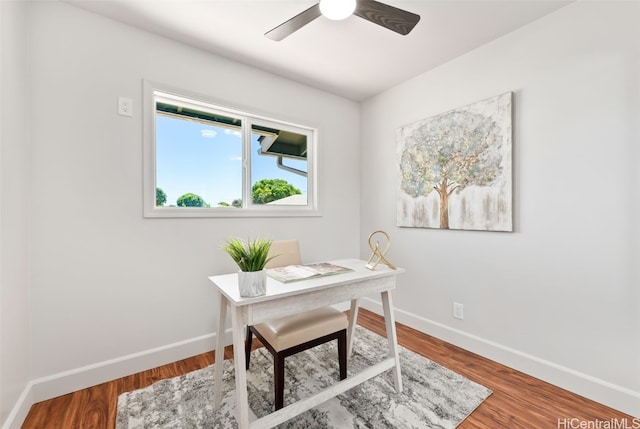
(251, 257)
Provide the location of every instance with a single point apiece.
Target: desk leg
(353, 318)
(392, 337)
(219, 355)
(242, 398)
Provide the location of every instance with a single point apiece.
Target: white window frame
(151, 90)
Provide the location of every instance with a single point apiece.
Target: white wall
(558, 297)
(112, 292)
(14, 312)
(108, 285)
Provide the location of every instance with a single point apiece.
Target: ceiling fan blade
(390, 17)
(294, 24)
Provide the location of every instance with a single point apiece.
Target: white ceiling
(353, 58)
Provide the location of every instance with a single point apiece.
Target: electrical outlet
(125, 106)
(458, 310)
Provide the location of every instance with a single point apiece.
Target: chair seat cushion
(286, 332)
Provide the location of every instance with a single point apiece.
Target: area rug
(433, 396)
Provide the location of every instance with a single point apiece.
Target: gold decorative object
(377, 253)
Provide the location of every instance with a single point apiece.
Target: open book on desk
(293, 273)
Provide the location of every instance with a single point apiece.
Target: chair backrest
(285, 252)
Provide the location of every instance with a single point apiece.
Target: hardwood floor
(518, 401)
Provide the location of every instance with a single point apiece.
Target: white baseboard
(44, 388)
(62, 383)
(21, 409)
(609, 394)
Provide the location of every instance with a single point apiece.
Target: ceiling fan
(389, 17)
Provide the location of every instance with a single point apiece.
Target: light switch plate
(125, 106)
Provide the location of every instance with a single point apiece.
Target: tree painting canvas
(455, 169)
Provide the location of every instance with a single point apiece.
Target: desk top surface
(227, 284)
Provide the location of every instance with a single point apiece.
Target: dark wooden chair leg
(278, 379)
(342, 354)
(279, 357)
(247, 346)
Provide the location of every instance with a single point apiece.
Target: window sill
(229, 212)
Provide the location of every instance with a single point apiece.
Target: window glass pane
(206, 159)
(278, 167)
(198, 158)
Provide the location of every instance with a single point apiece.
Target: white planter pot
(252, 283)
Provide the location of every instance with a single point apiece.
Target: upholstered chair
(289, 335)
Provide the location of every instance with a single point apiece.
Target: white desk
(283, 299)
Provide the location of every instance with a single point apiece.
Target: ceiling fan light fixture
(337, 9)
(387, 16)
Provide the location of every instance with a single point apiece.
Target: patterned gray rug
(433, 396)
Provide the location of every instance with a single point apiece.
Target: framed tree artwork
(454, 169)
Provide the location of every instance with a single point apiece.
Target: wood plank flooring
(518, 401)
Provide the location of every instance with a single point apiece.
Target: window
(205, 160)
